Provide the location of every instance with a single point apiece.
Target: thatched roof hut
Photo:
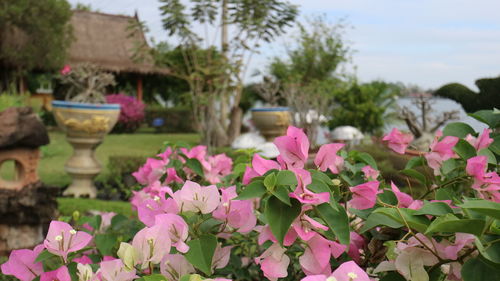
(112, 42)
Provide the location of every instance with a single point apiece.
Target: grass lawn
(55, 154)
(68, 205)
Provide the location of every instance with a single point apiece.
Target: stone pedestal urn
(272, 122)
(85, 125)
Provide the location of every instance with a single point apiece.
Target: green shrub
(175, 119)
(119, 183)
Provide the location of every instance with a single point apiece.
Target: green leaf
(484, 207)
(270, 181)
(286, 177)
(317, 175)
(195, 165)
(458, 129)
(434, 209)
(239, 169)
(416, 175)
(95, 222)
(281, 192)
(318, 186)
(491, 157)
(415, 162)
(44, 255)
(336, 218)
(492, 251)
(367, 158)
(448, 166)
(105, 243)
(377, 219)
(280, 216)
(50, 261)
(464, 149)
(154, 277)
(475, 269)
(450, 223)
(495, 145)
(488, 117)
(393, 276)
(254, 190)
(418, 223)
(388, 197)
(201, 252)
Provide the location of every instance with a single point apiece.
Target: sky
(424, 42)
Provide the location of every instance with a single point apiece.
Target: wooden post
(139, 88)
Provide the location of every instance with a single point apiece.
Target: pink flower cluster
(189, 194)
(131, 112)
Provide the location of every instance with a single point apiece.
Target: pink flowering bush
(131, 113)
(332, 217)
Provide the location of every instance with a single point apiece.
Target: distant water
(439, 105)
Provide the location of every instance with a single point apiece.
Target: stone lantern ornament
(86, 119)
(26, 205)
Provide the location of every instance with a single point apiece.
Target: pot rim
(260, 109)
(80, 105)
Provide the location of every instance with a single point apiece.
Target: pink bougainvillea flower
(441, 150)
(83, 260)
(486, 183)
(218, 167)
(398, 141)
(150, 172)
(356, 245)
(62, 239)
(198, 152)
(174, 266)
(151, 244)
(293, 148)
(483, 141)
(249, 174)
(273, 262)
(150, 208)
(85, 272)
(364, 195)
(115, 270)
(348, 271)
(178, 230)
(165, 155)
(370, 173)
(237, 214)
(65, 70)
(411, 261)
(195, 198)
(476, 166)
(172, 176)
(304, 195)
(22, 265)
(60, 274)
(404, 200)
(327, 158)
(259, 167)
(316, 257)
(309, 197)
(267, 235)
(306, 226)
(221, 256)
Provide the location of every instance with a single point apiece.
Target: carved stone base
(25, 215)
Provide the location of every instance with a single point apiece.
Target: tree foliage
(218, 76)
(33, 34)
(487, 98)
(364, 106)
(310, 74)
